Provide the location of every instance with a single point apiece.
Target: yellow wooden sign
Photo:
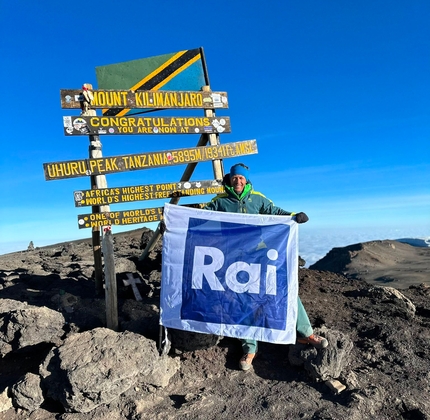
(151, 99)
(125, 217)
(115, 195)
(95, 125)
(124, 163)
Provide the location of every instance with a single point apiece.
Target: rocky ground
(58, 361)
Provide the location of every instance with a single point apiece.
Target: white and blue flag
(230, 274)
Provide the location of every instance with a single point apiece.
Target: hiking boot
(317, 341)
(246, 361)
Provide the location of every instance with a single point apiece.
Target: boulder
(5, 400)
(97, 366)
(124, 265)
(27, 392)
(392, 300)
(190, 341)
(327, 363)
(27, 325)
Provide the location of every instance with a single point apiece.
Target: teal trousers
(303, 327)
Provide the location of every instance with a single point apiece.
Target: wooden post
(218, 169)
(214, 140)
(185, 177)
(110, 282)
(97, 181)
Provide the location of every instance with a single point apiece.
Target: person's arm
(269, 208)
(299, 217)
(210, 206)
(216, 204)
(278, 211)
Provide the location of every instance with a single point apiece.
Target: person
(240, 197)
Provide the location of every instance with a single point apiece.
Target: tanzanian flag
(183, 70)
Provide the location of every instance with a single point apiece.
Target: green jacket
(249, 201)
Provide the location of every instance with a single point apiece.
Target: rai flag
(230, 274)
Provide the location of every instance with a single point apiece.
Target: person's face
(238, 183)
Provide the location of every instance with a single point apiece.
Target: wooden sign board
(107, 196)
(125, 217)
(151, 99)
(96, 125)
(124, 163)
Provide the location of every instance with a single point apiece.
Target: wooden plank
(125, 217)
(110, 282)
(152, 99)
(214, 140)
(102, 125)
(124, 163)
(106, 196)
(97, 181)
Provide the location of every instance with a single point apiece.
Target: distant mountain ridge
(415, 241)
(394, 263)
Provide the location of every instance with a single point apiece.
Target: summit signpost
(177, 81)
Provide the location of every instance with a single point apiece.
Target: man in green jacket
(239, 197)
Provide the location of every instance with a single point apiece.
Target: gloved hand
(301, 217)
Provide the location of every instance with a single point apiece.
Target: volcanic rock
(59, 361)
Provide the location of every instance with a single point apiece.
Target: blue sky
(337, 95)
